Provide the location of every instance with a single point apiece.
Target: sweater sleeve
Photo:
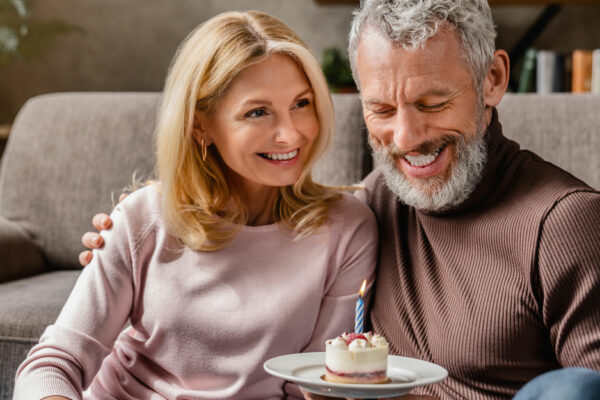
(569, 279)
(71, 351)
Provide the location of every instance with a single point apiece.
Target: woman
(235, 255)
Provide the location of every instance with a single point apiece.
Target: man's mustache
(426, 147)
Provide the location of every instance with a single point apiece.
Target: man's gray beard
(465, 174)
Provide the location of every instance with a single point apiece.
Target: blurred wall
(126, 45)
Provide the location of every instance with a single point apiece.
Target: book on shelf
(527, 77)
(596, 71)
(582, 71)
(549, 71)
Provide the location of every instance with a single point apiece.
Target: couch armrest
(19, 256)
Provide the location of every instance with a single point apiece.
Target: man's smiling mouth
(422, 160)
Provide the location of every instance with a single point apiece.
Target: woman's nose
(286, 130)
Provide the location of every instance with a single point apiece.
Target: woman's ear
(200, 131)
(496, 80)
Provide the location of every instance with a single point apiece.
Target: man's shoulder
(545, 180)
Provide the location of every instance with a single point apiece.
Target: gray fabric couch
(70, 155)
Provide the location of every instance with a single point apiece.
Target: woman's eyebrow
(257, 102)
(304, 92)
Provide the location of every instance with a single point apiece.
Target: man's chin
(437, 193)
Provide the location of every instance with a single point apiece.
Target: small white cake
(356, 358)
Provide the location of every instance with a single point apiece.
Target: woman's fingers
(101, 221)
(85, 257)
(92, 240)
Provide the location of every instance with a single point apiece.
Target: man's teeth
(423, 159)
(281, 156)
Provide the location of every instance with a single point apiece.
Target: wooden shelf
(491, 2)
(539, 2)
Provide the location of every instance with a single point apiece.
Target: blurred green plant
(336, 69)
(22, 37)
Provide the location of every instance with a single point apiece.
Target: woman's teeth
(423, 159)
(281, 156)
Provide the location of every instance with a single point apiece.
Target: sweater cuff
(35, 383)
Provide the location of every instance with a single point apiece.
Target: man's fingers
(85, 257)
(312, 396)
(92, 240)
(101, 221)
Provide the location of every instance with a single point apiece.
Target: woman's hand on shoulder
(93, 240)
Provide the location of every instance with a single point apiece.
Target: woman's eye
(302, 103)
(259, 112)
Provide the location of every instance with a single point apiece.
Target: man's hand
(311, 396)
(93, 240)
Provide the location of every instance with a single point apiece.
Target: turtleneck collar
(500, 151)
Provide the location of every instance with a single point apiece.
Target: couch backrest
(68, 153)
(65, 156)
(561, 128)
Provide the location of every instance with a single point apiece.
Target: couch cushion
(27, 306)
(562, 128)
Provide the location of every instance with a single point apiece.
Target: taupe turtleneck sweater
(500, 289)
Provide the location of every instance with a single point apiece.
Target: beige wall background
(126, 45)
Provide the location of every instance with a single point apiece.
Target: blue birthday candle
(359, 316)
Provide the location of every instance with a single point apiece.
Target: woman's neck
(259, 201)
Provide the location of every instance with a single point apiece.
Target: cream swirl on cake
(356, 358)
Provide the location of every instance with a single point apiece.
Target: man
(489, 255)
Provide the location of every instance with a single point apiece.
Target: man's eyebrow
(374, 102)
(438, 93)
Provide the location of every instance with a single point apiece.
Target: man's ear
(199, 130)
(496, 80)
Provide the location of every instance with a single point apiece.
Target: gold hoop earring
(203, 146)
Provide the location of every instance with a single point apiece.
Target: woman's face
(265, 125)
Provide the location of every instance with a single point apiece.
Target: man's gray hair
(409, 23)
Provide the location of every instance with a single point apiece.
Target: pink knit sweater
(202, 323)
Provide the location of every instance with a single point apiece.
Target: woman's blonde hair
(199, 206)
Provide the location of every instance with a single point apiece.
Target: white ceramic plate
(307, 370)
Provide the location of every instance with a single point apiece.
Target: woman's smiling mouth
(280, 156)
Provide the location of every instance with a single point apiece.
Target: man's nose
(409, 128)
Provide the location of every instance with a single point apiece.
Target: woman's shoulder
(352, 211)
(140, 211)
(350, 203)
(146, 198)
